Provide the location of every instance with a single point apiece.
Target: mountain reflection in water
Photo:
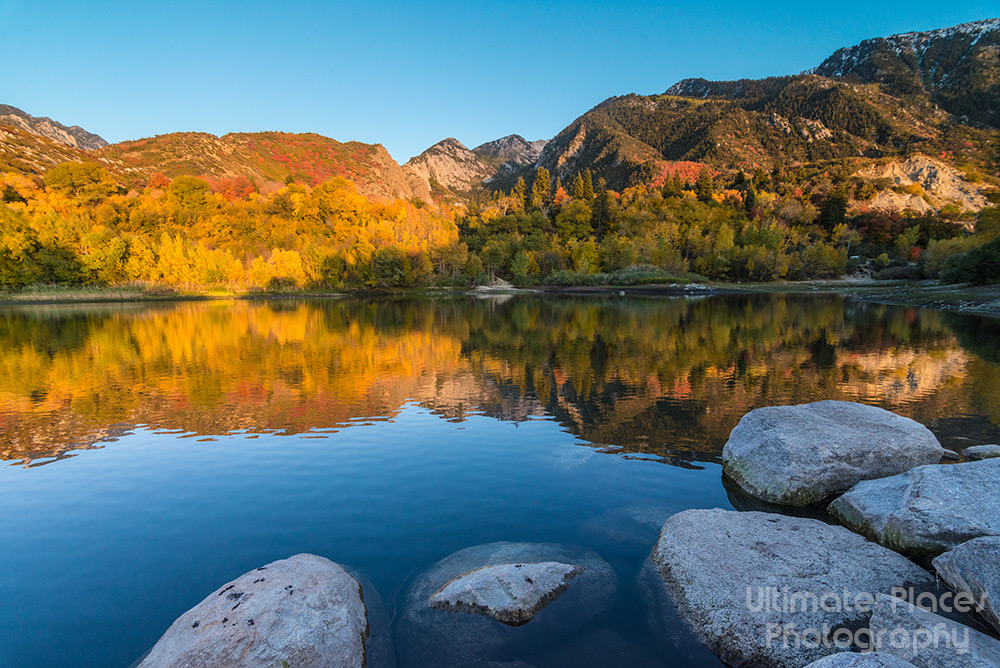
(664, 376)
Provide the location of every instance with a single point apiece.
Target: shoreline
(963, 298)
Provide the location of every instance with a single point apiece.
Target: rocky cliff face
(74, 136)
(940, 184)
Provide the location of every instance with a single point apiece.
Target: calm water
(154, 452)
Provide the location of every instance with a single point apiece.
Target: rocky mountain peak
(956, 67)
(74, 136)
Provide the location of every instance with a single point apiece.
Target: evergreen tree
(588, 185)
(703, 188)
(541, 190)
(834, 211)
(671, 187)
(578, 187)
(520, 192)
(602, 212)
(679, 184)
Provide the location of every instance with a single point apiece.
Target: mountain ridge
(44, 126)
(935, 93)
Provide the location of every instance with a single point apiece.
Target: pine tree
(671, 187)
(588, 185)
(601, 218)
(578, 186)
(703, 188)
(541, 190)
(520, 191)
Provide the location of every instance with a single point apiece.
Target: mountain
(268, 159)
(449, 164)
(746, 124)
(510, 153)
(957, 67)
(933, 93)
(74, 136)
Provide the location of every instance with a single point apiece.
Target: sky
(405, 74)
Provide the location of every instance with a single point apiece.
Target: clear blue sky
(404, 74)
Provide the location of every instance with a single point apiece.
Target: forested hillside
(884, 161)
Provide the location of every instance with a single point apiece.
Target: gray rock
(797, 455)
(974, 568)
(430, 636)
(927, 510)
(977, 452)
(738, 578)
(305, 610)
(928, 640)
(509, 593)
(855, 660)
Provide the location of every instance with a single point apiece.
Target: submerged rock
(927, 510)
(928, 640)
(509, 593)
(798, 455)
(437, 633)
(304, 610)
(626, 529)
(855, 660)
(738, 578)
(977, 452)
(974, 568)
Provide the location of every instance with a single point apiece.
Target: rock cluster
(758, 589)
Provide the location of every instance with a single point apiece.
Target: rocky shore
(910, 577)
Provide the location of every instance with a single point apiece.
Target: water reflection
(663, 376)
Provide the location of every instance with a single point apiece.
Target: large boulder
(476, 628)
(856, 660)
(303, 611)
(973, 568)
(928, 640)
(753, 586)
(927, 510)
(798, 455)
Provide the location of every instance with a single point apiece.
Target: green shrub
(979, 265)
